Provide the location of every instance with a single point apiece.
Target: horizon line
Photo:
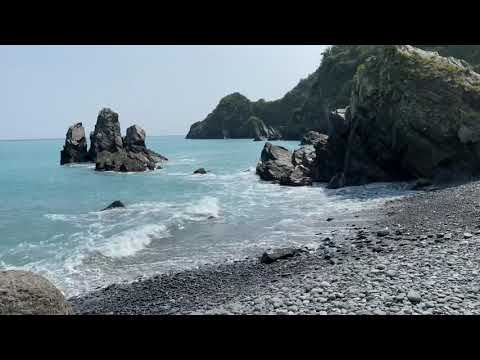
(62, 138)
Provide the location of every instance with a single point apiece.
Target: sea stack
(108, 150)
(107, 135)
(75, 148)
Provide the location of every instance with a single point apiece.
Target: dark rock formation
(75, 148)
(124, 161)
(107, 149)
(135, 138)
(107, 135)
(200, 171)
(279, 254)
(312, 138)
(275, 164)
(280, 165)
(115, 205)
(413, 114)
(26, 293)
(234, 118)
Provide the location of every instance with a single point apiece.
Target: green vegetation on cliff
(306, 107)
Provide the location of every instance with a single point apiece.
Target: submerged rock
(115, 205)
(200, 171)
(26, 293)
(75, 148)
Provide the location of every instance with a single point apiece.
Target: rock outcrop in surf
(279, 165)
(108, 150)
(75, 148)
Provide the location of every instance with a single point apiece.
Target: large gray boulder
(75, 148)
(107, 135)
(26, 293)
(281, 166)
(275, 164)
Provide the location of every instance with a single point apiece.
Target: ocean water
(51, 223)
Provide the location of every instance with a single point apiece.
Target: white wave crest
(132, 241)
(205, 207)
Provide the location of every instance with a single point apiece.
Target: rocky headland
(413, 115)
(108, 149)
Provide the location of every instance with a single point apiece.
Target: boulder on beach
(26, 293)
(278, 164)
(115, 205)
(275, 164)
(75, 148)
(278, 254)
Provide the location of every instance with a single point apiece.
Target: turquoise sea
(50, 221)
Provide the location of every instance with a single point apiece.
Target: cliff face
(308, 105)
(413, 114)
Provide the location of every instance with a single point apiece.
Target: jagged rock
(135, 138)
(300, 176)
(75, 148)
(124, 161)
(26, 293)
(279, 254)
(200, 171)
(107, 135)
(115, 205)
(134, 142)
(275, 164)
(306, 156)
(312, 138)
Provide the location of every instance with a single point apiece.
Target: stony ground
(422, 256)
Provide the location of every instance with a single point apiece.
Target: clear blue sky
(164, 89)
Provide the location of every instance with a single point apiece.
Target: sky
(164, 89)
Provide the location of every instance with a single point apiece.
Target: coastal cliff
(308, 105)
(413, 114)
